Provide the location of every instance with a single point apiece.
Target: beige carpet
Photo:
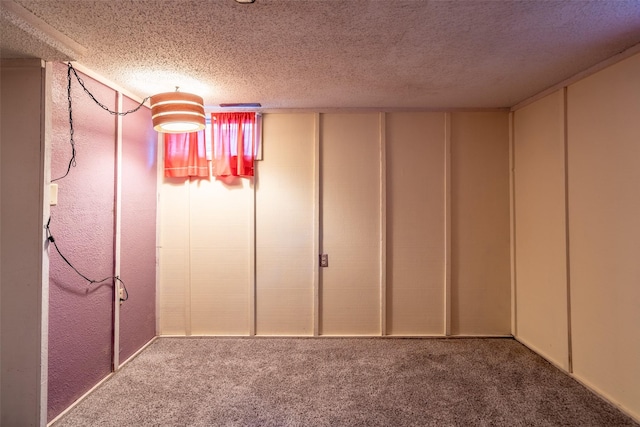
(341, 382)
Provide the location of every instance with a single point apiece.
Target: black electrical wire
(72, 161)
(91, 281)
(70, 69)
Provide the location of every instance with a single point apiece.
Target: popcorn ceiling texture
(338, 54)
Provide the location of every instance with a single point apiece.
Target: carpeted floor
(341, 382)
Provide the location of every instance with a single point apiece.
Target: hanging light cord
(70, 69)
(91, 281)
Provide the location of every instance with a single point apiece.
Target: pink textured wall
(138, 230)
(81, 314)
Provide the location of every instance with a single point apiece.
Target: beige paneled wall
(221, 221)
(285, 251)
(480, 274)
(205, 249)
(604, 232)
(540, 236)
(350, 193)
(368, 189)
(173, 258)
(415, 190)
(602, 137)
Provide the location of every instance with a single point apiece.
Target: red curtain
(234, 144)
(185, 155)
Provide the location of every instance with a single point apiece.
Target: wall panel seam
(252, 259)
(383, 224)
(512, 224)
(187, 293)
(565, 93)
(447, 224)
(159, 171)
(117, 236)
(317, 221)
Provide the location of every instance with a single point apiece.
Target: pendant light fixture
(177, 112)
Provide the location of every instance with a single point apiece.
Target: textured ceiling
(387, 54)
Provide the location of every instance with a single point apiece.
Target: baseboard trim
(340, 336)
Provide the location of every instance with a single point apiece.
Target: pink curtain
(185, 155)
(234, 144)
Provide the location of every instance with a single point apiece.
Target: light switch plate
(53, 194)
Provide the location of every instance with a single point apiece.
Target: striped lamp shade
(177, 112)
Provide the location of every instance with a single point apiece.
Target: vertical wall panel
(80, 313)
(350, 191)
(138, 229)
(415, 223)
(541, 272)
(220, 249)
(604, 210)
(284, 226)
(205, 257)
(480, 264)
(173, 257)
